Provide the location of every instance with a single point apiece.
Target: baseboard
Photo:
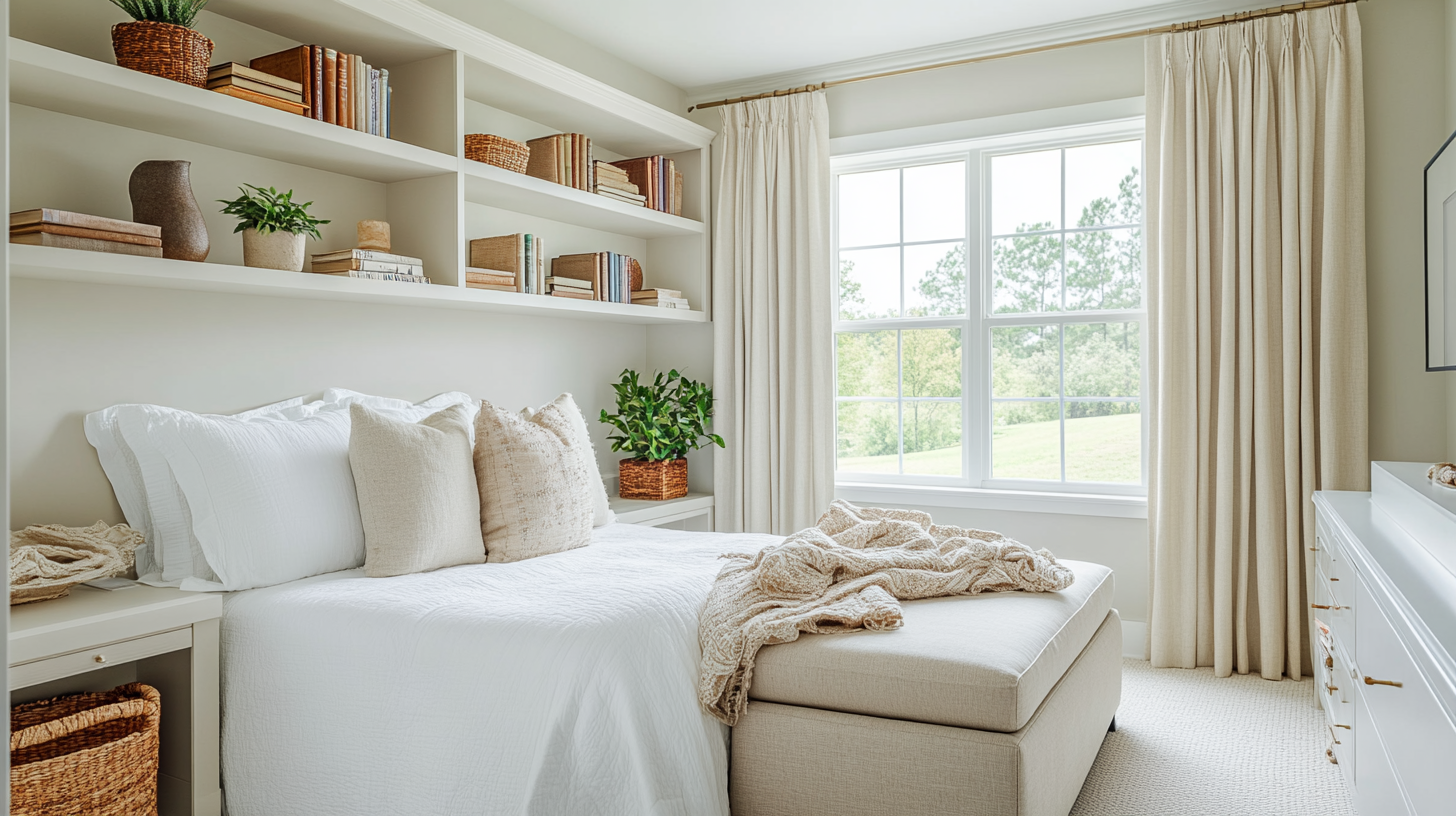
(1135, 639)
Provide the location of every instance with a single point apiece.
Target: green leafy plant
(663, 419)
(176, 12)
(271, 211)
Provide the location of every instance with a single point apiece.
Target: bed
(561, 684)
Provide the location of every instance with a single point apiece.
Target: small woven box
(497, 150)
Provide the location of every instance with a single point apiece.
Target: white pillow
(601, 508)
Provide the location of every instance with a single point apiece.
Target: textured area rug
(1191, 744)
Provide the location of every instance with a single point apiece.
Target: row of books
(609, 275)
(565, 158)
(656, 178)
(338, 88)
(508, 263)
(92, 233)
(370, 264)
(259, 87)
(614, 183)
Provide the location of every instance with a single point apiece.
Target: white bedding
(564, 684)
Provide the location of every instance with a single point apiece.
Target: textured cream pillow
(417, 493)
(535, 498)
(601, 508)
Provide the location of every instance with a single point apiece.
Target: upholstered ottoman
(992, 705)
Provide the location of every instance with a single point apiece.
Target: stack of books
(371, 264)
(658, 179)
(606, 275)
(612, 182)
(242, 82)
(565, 158)
(665, 298)
(508, 263)
(573, 288)
(92, 233)
(341, 89)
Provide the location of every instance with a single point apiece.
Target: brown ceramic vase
(161, 195)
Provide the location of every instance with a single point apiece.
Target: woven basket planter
(86, 753)
(653, 481)
(497, 150)
(161, 49)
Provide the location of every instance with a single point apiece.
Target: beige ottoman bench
(992, 705)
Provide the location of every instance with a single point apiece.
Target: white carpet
(1191, 744)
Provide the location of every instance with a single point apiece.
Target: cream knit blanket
(849, 572)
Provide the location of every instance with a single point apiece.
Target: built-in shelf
(496, 187)
(63, 82)
(53, 264)
(656, 513)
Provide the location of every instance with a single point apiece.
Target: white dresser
(1383, 582)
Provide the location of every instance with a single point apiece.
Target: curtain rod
(1237, 17)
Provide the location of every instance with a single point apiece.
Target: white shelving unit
(449, 79)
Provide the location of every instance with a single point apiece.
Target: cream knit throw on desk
(850, 572)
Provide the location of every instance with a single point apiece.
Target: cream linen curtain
(1257, 359)
(773, 364)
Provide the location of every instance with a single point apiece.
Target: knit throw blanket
(850, 572)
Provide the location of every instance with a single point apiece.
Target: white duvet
(560, 685)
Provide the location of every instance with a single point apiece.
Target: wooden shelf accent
(59, 81)
(496, 187)
(52, 264)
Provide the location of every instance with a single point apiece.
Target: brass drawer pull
(1323, 606)
(1334, 579)
(1335, 739)
(1371, 681)
(1346, 727)
(1329, 662)
(1332, 689)
(1330, 755)
(101, 658)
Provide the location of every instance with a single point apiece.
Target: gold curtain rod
(1209, 22)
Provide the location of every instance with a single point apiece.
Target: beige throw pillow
(417, 493)
(535, 498)
(601, 507)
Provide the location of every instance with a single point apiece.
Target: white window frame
(975, 482)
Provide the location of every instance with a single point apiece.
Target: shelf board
(634, 511)
(497, 187)
(63, 82)
(70, 265)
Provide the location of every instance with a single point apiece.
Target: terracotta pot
(653, 481)
(161, 195)
(161, 49)
(273, 250)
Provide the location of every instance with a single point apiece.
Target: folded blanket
(849, 572)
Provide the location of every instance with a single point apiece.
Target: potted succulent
(658, 423)
(273, 227)
(161, 40)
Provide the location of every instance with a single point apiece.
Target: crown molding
(1132, 20)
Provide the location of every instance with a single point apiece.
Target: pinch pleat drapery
(772, 289)
(1257, 353)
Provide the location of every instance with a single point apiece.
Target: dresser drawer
(1417, 736)
(1335, 610)
(126, 651)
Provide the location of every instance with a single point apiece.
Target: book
(490, 276)
(616, 185)
(574, 294)
(256, 87)
(238, 71)
(542, 161)
(581, 266)
(636, 201)
(261, 99)
(649, 294)
(79, 232)
(316, 96)
(295, 65)
(657, 178)
(354, 264)
(677, 188)
(570, 283)
(45, 215)
(87, 244)
(503, 253)
(663, 303)
(341, 91)
(366, 255)
(494, 287)
(331, 86)
(384, 97)
(384, 276)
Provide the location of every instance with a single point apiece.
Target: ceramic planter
(274, 250)
(653, 481)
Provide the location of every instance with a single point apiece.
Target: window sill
(1021, 501)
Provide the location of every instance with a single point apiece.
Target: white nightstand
(94, 640)
(692, 512)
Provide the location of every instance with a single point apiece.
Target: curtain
(1257, 357)
(772, 290)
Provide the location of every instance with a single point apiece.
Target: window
(990, 315)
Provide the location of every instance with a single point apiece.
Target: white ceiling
(696, 43)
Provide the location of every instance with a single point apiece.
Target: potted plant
(658, 424)
(273, 227)
(161, 41)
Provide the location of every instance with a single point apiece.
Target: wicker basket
(86, 753)
(497, 150)
(171, 51)
(653, 481)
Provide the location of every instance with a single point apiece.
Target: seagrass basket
(86, 753)
(653, 481)
(497, 150)
(161, 49)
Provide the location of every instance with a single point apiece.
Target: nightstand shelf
(662, 513)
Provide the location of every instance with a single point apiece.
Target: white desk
(94, 640)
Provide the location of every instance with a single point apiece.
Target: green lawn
(1099, 449)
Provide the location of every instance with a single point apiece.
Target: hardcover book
(261, 99)
(295, 65)
(236, 70)
(366, 255)
(256, 87)
(45, 215)
(87, 244)
(78, 232)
